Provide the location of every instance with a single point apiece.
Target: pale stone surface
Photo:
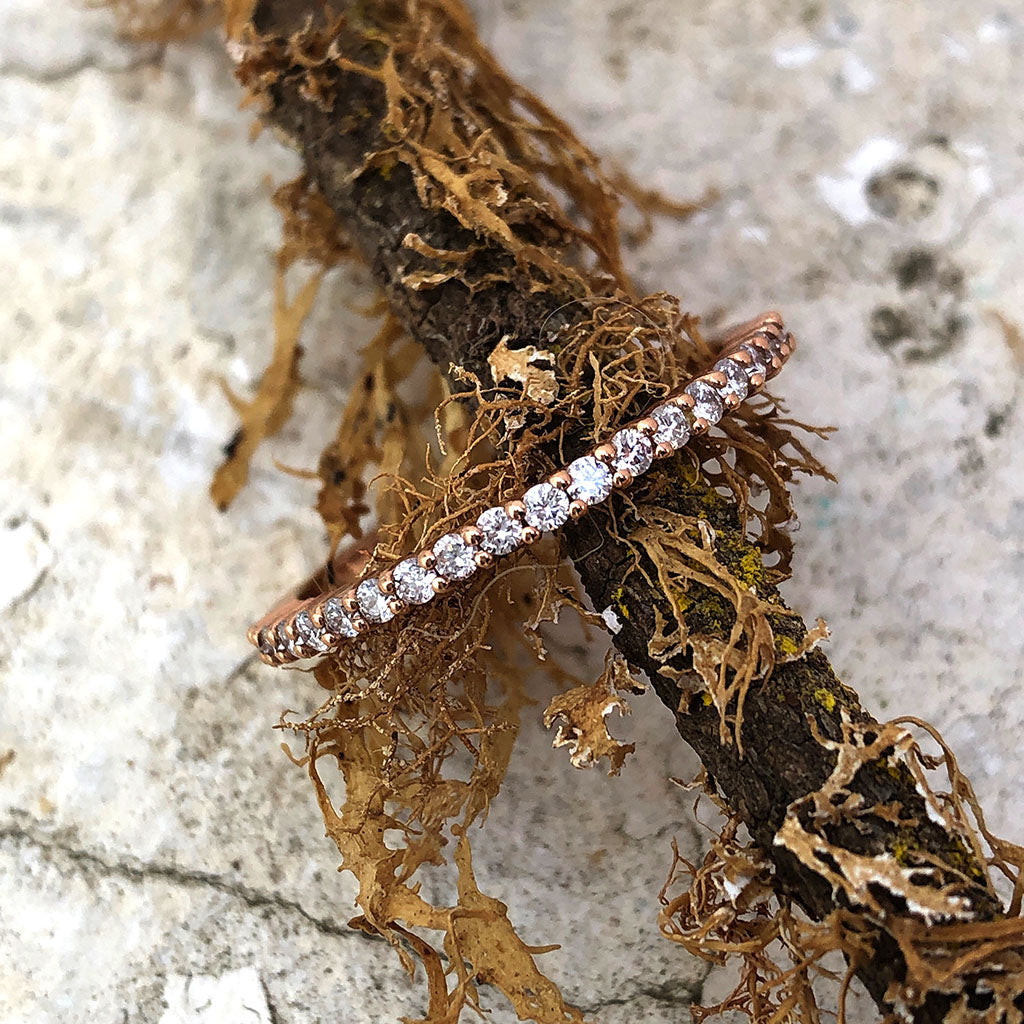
(203, 999)
(157, 847)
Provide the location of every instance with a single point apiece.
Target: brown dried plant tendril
(421, 721)
(310, 237)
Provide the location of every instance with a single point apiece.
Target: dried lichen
(271, 408)
(529, 367)
(581, 717)
(311, 237)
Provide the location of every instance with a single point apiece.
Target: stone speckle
(25, 557)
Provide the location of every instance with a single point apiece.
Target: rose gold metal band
(332, 607)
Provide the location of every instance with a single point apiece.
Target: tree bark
(783, 760)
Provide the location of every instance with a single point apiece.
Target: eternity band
(304, 627)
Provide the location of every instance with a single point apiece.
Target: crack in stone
(670, 993)
(673, 993)
(138, 871)
(271, 1008)
(47, 76)
(73, 68)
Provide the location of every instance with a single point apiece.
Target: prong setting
(472, 535)
(516, 510)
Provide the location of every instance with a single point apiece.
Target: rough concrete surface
(162, 860)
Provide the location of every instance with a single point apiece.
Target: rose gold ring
(334, 606)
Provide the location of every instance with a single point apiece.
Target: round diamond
(413, 583)
(673, 425)
(547, 508)
(337, 619)
(633, 452)
(454, 557)
(736, 381)
(283, 643)
(308, 633)
(501, 533)
(591, 480)
(267, 640)
(372, 602)
(775, 342)
(707, 403)
(759, 357)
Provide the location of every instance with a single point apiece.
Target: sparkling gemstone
(775, 342)
(337, 619)
(736, 380)
(547, 508)
(633, 451)
(591, 480)
(759, 357)
(283, 643)
(454, 557)
(673, 425)
(413, 583)
(372, 603)
(707, 403)
(501, 533)
(308, 633)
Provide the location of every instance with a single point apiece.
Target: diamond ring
(304, 626)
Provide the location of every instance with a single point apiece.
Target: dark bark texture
(783, 761)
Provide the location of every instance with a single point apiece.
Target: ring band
(332, 607)
(335, 577)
